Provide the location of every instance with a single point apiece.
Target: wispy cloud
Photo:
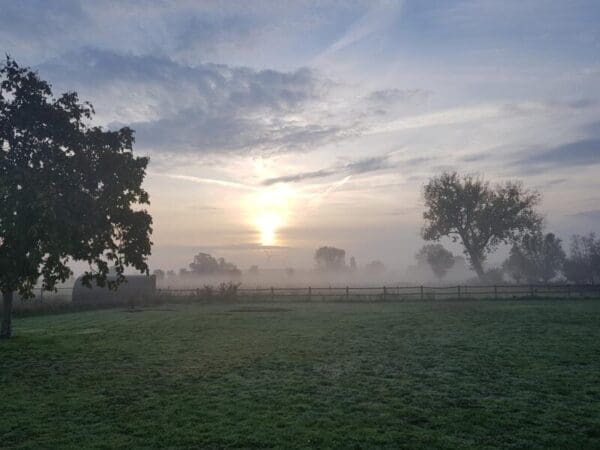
(365, 165)
(200, 180)
(584, 152)
(382, 14)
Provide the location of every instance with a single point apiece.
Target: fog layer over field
(358, 277)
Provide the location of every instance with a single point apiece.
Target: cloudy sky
(277, 127)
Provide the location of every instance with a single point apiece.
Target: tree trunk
(7, 301)
(478, 267)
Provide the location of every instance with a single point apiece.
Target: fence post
(531, 288)
(41, 295)
(309, 293)
(421, 292)
(272, 294)
(384, 293)
(568, 291)
(347, 293)
(495, 292)
(458, 289)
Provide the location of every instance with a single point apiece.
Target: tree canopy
(330, 258)
(375, 268)
(536, 258)
(206, 264)
(68, 190)
(437, 257)
(481, 216)
(583, 263)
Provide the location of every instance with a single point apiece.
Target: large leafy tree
(480, 216)
(68, 191)
(437, 257)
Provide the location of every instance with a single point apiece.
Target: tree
(375, 268)
(253, 271)
(68, 190)
(352, 263)
(583, 263)
(159, 274)
(479, 215)
(537, 258)
(205, 264)
(437, 257)
(516, 265)
(330, 259)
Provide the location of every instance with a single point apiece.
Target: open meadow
(477, 374)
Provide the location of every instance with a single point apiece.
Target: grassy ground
(456, 374)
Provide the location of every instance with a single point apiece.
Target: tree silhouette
(437, 257)
(68, 191)
(353, 263)
(583, 263)
(536, 258)
(330, 258)
(375, 268)
(479, 215)
(205, 264)
(516, 265)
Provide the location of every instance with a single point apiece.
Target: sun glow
(267, 226)
(270, 210)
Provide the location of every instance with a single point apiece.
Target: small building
(131, 291)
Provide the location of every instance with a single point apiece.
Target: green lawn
(517, 374)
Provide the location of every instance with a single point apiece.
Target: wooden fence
(397, 293)
(348, 293)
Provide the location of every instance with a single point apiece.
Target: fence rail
(362, 293)
(397, 293)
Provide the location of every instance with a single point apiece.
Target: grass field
(419, 375)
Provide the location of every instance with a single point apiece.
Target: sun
(267, 226)
(269, 210)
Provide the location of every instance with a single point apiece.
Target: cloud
(578, 153)
(218, 108)
(394, 95)
(592, 215)
(555, 181)
(202, 109)
(323, 173)
(450, 116)
(365, 165)
(185, 30)
(28, 28)
(380, 16)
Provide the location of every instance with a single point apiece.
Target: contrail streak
(224, 183)
(318, 198)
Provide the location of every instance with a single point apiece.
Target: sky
(274, 128)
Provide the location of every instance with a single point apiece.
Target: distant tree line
(333, 260)
(204, 265)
